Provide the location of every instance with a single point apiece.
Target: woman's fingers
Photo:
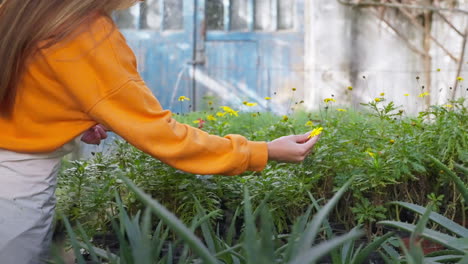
(101, 131)
(307, 146)
(94, 135)
(301, 138)
(293, 148)
(311, 143)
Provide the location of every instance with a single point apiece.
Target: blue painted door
(161, 33)
(249, 49)
(228, 51)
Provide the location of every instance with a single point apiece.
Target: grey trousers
(27, 204)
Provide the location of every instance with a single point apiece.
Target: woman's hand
(94, 135)
(293, 149)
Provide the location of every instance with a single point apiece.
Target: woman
(66, 69)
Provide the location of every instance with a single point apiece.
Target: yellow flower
(196, 121)
(438, 70)
(309, 123)
(382, 94)
(350, 88)
(220, 114)
(406, 94)
(183, 98)
(448, 105)
(285, 118)
(211, 118)
(371, 154)
(391, 141)
(267, 98)
(250, 104)
(460, 79)
(254, 114)
(293, 89)
(229, 110)
(327, 100)
(377, 99)
(423, 94)
(341, 110)
(317, 131)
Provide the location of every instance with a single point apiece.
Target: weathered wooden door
(161, 33)
(249, 49)
(225, 50)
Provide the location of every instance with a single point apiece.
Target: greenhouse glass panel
(151, 13)
(240, 15)
(265, 15)
(214, 13)
(173, 15)
(286, 14)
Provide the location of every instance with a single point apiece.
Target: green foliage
(455, 238)
(257, 243)
(385, 152)
(365, 212)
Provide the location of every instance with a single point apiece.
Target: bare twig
(432, 8)
(449, 23)
(446, 20)
(460, 63)
(436, 41)
(402, 36)
(428, 59)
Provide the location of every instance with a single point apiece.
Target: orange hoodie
(93, 78)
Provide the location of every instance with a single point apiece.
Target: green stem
(173, 222)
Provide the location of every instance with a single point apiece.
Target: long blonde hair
(26, 23)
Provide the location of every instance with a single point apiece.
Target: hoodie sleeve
(99, 70)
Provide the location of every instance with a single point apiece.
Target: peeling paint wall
(347, 46)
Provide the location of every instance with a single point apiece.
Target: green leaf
(100, 252)
(364, 253)
(435, 236)
(208, 233)
(437, 218)
(73, 240)
(458, 182)
(385, 258)
(266, 233)
(314, 254)
(460, 243)
(334, 254)
(313, 227)
(464, 260)
(297, 230)
(88, 247)
(250, 242)
(421, 225)
(445, 258)
(172, 222)
(232, 228)
(460, 167)
(390, 250)
(347, 250)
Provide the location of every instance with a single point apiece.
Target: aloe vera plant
(349, 252)
(455, 239)
(255, 243)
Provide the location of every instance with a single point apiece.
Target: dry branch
(432, 8)
(414, 21)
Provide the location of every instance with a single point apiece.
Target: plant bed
(426, 245)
